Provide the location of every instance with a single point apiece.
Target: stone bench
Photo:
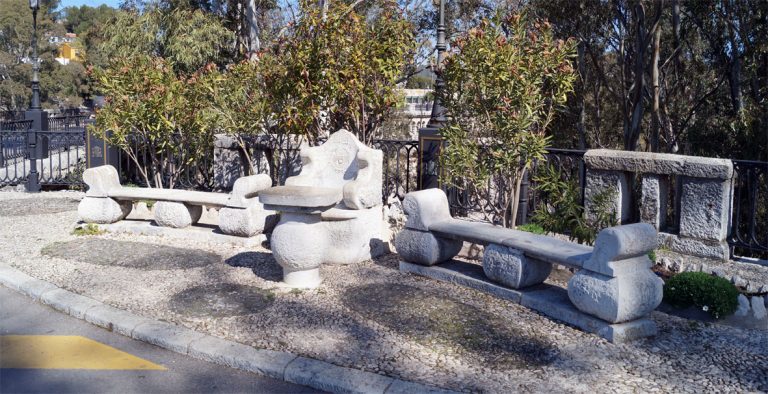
(240, 212)
(613, 282)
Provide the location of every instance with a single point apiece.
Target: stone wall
(703, 199)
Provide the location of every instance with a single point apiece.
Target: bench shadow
(262, 264)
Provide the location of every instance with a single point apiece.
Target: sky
(92, 3)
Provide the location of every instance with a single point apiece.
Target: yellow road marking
(66, 352)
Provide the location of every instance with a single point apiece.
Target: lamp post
(430, 140)
(35, 112)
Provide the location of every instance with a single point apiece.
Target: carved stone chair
(329, 213)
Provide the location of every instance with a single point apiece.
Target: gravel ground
(370, 316)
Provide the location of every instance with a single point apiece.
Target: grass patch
(88, 229)
(532, 228)
(714, 295)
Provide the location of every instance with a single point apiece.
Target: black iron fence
(749, 218)
(59, 154)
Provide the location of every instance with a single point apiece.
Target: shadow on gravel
(37, 206)
(262, 264)
(137, 255)
(432, 318)
(221, 300)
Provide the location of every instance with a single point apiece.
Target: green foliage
(88, 229)
(561, 210)
(652, 256)
(338, 70)
(149, 108)
(714, 295)
(534, 228)
(503, 83)
(186, 39)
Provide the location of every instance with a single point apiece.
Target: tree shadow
(262, 264)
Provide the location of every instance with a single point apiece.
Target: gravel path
(372, 317)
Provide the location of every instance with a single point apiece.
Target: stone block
(247, 222)
(705, 206)
(658, 163)
(114, 319)
(266, 362)
(101, 180)
(332, 378)
(654, 199)
(622, 248)
(103, 210)
(167, 336)
(695, 247)
(176, 214)
(425, 207)
(616, 300)
(365, 190)
(245, 190)
(423, 247)
(73, 304)
(511, 268)
(227, 162)
(614, 182)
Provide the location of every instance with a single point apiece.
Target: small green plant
(88, 229)
(296, 292)
(562, 212)
(652, 256)
(149, 203)
(532, 228)
(710, 293)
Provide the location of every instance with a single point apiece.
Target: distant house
(68, 53)
(417, 108)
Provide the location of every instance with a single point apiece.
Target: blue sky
(92, 3)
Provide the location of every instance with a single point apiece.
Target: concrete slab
(549, 300)
(203, 233)
(187, 196)
(68, 302)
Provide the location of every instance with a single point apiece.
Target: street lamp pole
(437, 118)
(430, 140)
(35, 112)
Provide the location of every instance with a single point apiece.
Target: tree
(339, 71)
(159, 119)
(504, 80)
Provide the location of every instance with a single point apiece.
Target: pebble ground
(369, 316)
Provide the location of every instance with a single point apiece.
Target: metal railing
(67, 122)
(749, 215)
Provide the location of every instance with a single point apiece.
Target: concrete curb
(285, 366)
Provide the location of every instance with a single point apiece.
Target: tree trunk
(252, 20)
(656, 116)
(580, 126)
(635, 127)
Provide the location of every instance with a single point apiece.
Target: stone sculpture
(331, 212)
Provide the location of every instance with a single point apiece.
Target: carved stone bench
(613, 282)
(240, 212)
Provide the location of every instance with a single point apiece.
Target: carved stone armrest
(309, 162)
(365, 191)
(101, 180)
(246, 189)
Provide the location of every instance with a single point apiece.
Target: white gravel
(419, 330)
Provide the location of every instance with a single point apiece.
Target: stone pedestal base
(308, 279)
(616, 300)
(511, 268)
(246, 222)
(422, 247)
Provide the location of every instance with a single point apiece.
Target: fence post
(522, 208)
(39, 120)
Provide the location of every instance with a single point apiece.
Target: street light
(35, 6)
(437, 117)
(35, 112)
(430, 139)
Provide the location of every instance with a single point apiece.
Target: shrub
(714, 295)
(532, 228)
(88, 229)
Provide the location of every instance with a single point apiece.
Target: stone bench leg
(616, 284)
(299, 243)
(509, 267)
(246, 222)
(176, 214)
(103, 210)
(422, 247)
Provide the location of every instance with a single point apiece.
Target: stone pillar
(227, 165)
(653, 200)
(615, 182)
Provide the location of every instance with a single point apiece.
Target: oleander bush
(710, 293)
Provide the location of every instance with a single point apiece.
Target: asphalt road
(19, 315)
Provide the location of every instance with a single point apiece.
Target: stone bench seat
(302, 197)
(613, 279)
(539, 247)
(240, 212)
(186, 196)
